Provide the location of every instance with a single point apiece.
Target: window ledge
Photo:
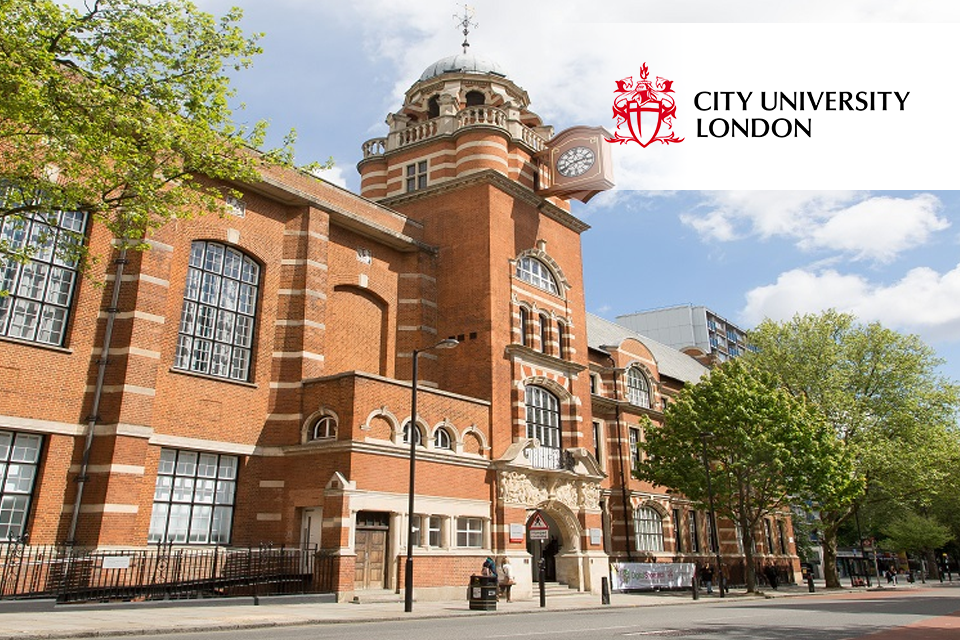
(41, 345)
(205, 376)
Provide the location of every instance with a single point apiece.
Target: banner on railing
(650, 575)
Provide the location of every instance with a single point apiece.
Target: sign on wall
(516, 532)
(649, 575)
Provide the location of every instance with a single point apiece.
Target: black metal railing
(162, 572)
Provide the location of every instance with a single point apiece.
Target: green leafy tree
(892, 414)
(764, 448)
(120, 109)
(916, 534)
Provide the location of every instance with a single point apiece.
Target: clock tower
(469, 163)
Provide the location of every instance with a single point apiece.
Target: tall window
(219, 312)
(649, 527)
(39, 291)
(783, 537)
(561, 340)
(19, 458)
(677, 531)
(711, 527)
(416, 176)
(597, 449)
(543, 416)
(544, 333)
(524, 327)
(194, 498)
(638, 392)
(536, 273)
(694, 532)
(634, 440)
(470, 532)
(768, 530)
(434, 524)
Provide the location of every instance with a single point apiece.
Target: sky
(334, 70)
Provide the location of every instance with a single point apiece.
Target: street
(927, 614)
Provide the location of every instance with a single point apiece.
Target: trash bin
(483, 593)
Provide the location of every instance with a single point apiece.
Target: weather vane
(466, 22)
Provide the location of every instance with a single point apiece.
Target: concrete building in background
(691, 329)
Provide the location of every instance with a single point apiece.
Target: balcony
(549, 458)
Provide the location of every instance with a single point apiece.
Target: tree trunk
(933, 567)
(751, 569)
(829, 541)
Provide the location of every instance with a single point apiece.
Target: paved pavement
(78, 621)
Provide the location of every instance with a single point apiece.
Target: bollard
(810, 582)
(604, 590)
(696, 587)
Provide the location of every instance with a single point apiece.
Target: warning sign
(538, 527)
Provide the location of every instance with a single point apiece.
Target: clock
(575, 161)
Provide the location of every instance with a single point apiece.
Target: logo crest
(645, 110)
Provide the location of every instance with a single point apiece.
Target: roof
(462, 63)
(672, 363)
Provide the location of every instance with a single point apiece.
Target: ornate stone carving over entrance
(531, 489)
(521, 488)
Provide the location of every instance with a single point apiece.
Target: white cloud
(334, 175)
(923, 301)
(858, 225)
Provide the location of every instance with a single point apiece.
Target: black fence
(162, 572)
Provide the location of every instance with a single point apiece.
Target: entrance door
(371, 547)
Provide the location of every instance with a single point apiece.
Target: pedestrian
(506, 578)
(489, 568)
(770, 572)
(706, 577)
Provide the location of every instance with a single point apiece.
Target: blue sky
(334, 70)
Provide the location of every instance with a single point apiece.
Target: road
(922, 614)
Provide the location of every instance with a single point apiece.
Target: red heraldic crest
(646, 110)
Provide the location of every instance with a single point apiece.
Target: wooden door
(371, 548)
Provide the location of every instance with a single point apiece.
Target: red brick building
(257, 382)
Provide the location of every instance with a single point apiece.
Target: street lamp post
(412, 430)
(713, 514)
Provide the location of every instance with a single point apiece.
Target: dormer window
(536, 273)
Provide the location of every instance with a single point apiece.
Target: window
(543, 416)
(634, 440)
(544, 333)
(470, 532)
(596, 441)
(677, 531)
(418, 437)
(19, 460)
(768, 530)
(711, 527)
(441, 439)
(594, 383)
(323, 427)
(417, 176)
(524, 327)
(783, 537)
(475, 98)
(433, 107)
(434, 524)
(415, 538)
(219, 312)
(194, 498)
(561, 340)
(694, 532)
(638, 392)
(39, 291)
(536, 273)
(649, 527)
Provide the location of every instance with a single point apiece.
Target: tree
(891, 413)
(915, 533)
(121, 110)
(765, 448)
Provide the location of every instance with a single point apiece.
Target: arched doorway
(548, 549)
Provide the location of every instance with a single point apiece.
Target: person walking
(506, 578)
(706, 578)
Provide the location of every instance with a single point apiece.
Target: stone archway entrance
(546, 550)
(561, 550)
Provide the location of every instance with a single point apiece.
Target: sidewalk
(78, 621)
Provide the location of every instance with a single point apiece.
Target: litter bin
(483, 593)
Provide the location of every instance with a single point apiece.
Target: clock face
(575, 161)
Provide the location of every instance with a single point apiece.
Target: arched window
(322, 428)
(441, 439)
(475, 98)
(638, 391)
(433, 107)
(561, 339)
(543, 416)
(649, 529)
(531, 270)
(544, 333)
(219, 312)
(38, 292)
(524, 327)
(418, 437)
